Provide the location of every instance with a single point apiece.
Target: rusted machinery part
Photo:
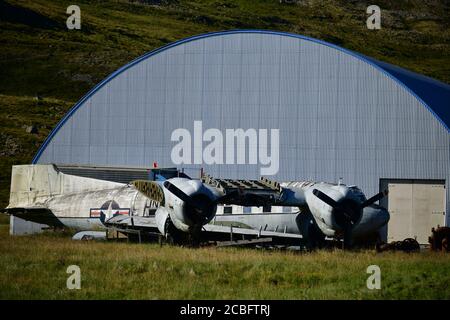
(446, 245)
(440, 239)
(407, 245)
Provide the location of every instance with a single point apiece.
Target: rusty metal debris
(440, 239)
(407, 245)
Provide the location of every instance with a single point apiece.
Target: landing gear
(194, 238)
(313, 237)
(173, 236)
(316, 239)
(347, 242)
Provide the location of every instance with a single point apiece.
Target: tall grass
(34, 267)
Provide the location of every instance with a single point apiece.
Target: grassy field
(45, 69)
(41, 58)
(34, 267)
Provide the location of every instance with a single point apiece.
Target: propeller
(375, 198)
(322, 196)
(348, 212)
(201, 205)
(199, 208)
(183, 196)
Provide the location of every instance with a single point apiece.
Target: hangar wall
(339, 114)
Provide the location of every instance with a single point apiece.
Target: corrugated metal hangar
(339, 115)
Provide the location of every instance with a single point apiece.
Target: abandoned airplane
(183, 210)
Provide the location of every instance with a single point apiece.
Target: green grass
(34, 267)
(41, 57)
(61, 66)
(4, 219)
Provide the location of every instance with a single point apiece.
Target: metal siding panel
(400, 208)
(338, 116)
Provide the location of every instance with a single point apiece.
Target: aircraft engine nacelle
(190, 204)
(161, 216)
(346, 208)
(338, 209)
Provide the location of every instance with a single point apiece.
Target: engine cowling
(198, 211)
(161, 216)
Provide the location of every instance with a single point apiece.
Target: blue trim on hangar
(434, 95)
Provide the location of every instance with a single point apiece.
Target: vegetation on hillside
(45, 68)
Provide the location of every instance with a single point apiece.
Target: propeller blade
(183, 196)
(374, 199)
(342, 210)
(322, 196)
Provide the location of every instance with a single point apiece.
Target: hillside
(45, 68)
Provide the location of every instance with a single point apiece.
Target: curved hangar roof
(339, 113)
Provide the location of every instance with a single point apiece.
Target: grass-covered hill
(45, 68)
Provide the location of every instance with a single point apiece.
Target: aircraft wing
(241, 192)
(42, 215)
(231, 234)
(245, 192)
(27, 210)
(126, 222)
(210, 232)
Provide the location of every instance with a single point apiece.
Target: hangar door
(415, 207)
